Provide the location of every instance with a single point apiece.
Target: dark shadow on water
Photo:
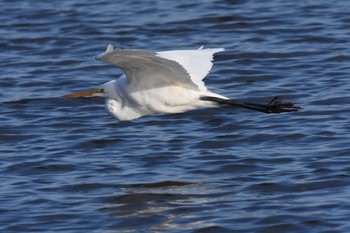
(157, 205)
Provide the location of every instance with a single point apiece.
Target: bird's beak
(88, 93)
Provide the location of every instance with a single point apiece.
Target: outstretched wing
(148, 70)
(197, 63)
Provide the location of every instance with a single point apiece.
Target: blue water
(67, 166)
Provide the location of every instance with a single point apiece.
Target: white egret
(163, 83)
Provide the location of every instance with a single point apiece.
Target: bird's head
(98, 92)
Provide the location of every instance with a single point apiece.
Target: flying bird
(165, 82)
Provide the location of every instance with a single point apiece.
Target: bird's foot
(277, 106)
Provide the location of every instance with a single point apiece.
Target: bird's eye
(100, 90)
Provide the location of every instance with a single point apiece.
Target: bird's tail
(274, 106)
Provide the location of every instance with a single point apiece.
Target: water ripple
(67, 166)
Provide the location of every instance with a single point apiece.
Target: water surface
(67, 166)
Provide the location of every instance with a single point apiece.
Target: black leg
(274, 106)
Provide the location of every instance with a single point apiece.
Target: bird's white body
(127, 105)
(156, 83)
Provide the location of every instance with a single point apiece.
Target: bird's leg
(274, 106)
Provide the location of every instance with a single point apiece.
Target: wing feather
(149, 70)
(197, 63)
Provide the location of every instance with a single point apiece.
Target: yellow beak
(88, 93)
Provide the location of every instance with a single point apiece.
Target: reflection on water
(161, 205)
